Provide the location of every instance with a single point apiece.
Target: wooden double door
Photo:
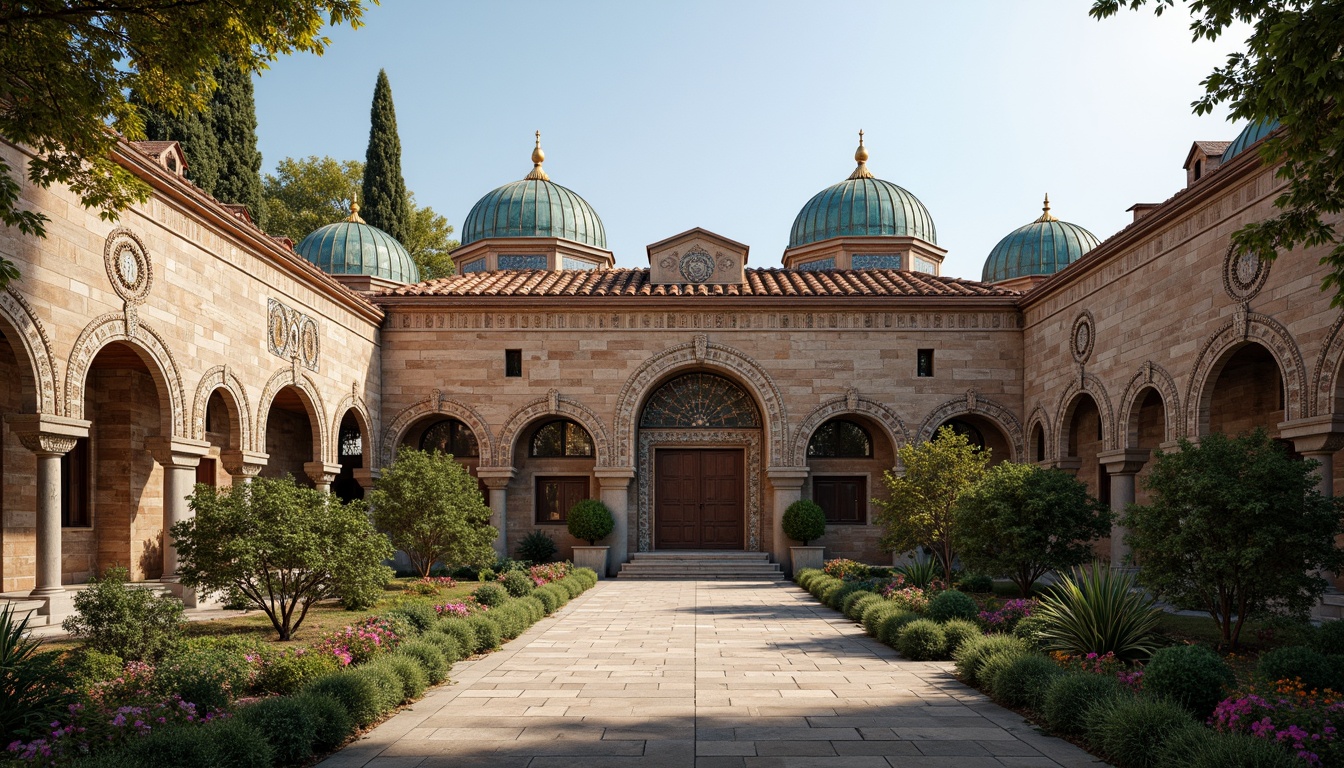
(699, 498)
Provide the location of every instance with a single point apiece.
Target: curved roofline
(1025, 250)
(502, 212)
(883, 209)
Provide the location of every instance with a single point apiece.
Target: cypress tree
(233, 117)
(192, 130)
(385, 204)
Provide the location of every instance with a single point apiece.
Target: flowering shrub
(360, 642)
(431, 585)
(545, 574)
(849, 570)
(908, 597)
(1097, 664)
(460, 609)
(1132, 679)
(1303, 720)
(103, 725)
(1005, 617)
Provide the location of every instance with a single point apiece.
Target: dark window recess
(451, 436)
(840, 439)
(513, 362)
(924, 363)
(972, 433)
(1040, 444)
(561, 439)
(205, 472)
(843, 499)
(556, 495)
(1103, 485)
(75, 482)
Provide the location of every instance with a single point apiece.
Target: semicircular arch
(1246, 328)
(1088, 386)
(240, 410)
(30, 339)
(439, 406)
(312, 403)
(1155, 377)
(1041, 418)
(891, 424)
(112, 328)
(1325, 380)
(353, 403)
(554, 404)
(974, 404)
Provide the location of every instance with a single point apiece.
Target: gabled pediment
(697, 256)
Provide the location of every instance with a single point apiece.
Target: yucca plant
(920, 573)
(34, 689)
(1098, 610)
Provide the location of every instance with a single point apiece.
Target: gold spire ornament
(538, 157)
(1045, 210)
(861, 157)
(354, 211)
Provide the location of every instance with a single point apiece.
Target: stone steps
(706, 566)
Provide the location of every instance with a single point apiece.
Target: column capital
(180, 452)
(614, 478)
(322, 473)
(1125, 461)
(1315, 434)
(47, 435)
(496, 478)
(367, 477)
(246, 463)
(1069, 464)
(787, 477)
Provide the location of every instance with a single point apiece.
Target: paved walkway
(704, 674)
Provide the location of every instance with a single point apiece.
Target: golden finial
(354, 210)
(538, 157)
(861, 157)
(1045, 210)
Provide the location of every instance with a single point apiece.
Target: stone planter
(592, 557)
(806, 557)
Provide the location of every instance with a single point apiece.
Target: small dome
(1248, 136)
(534, 207)
(862, 206)
(1042, 247)
(352, 247)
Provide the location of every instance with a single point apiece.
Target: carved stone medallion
(1083, 337)
(292, 335)
(1243, 274)
(697, 265)
(128, 265)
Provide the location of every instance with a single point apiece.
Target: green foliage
(804, 576)
(1329, 638)
(590, 520)
(535, 608)
(413, 678)
(280, 547)
(113, 617)
(518, 584)
(308, 193)
(993, 664)
(355, 692)
(510, 620)
(875, 613)
(951, 604)
(1189, 675)
(34, 685)
(547, 597)
(178, 745)
(836, 598)
(485, 575)
(491, 595)
(1098, 610)
(920, 573)
(1315, 670)
(448, 645)
(233, 119)
(430, 657)
(1032, 629)
(464, 634)
(574, 586)
(418, 614)
(974, 651)
(88, 667)
(560, 594)
(385, 200)
(430, 241)
(207, 671)
(889, 628)
(1023, 521)
(1287, 72)
(538, 547)
(389, 689)
(959, 631)
(431, 508)
(1023, 683)
(921, 503)
(1236, 528)
(1196, 746)
(194, 132)
(235, 745)
(286, 724)
(1071, 695)
(487, 632)
(1130, 731)
(804, 521)
(855, 603)
(332, 724)
(977, 583)
(287, 673)
(922, 640)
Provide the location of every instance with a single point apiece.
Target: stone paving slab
(707, 674)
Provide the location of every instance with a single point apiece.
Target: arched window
(700, 401)
(840, 439)
(972, 433)
(351, 442)
(1038, 436)
(562, 438)
(450, 436)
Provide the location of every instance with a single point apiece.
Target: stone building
(697, 397)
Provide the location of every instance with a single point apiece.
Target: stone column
(615, 494)
(243, 465)
(366, 479)
(1317, 438)
(50, 438)
(786, 483)
(1122, 465)
(179, 458)
(497, 479)
(322, 474)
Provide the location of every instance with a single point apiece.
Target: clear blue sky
(730, 115)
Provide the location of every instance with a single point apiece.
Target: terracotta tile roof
(153, 148)
(1213, 147)
(759, 282)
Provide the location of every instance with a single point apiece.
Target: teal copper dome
(352, 247)
(534, 207)
(1042, 247)
(1248, 136)
(862, 206)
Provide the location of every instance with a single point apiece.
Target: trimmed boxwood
(536, 610)
(410, 675)
(828, 589)
(173, 746)
(419, 614)
(993, 664)
(951, 604)
(973, 652)
(286, 724)
(464, 633)
(922, 640)
(357, 693)
(1070, 696)
(1128, 731)
(447, 644)
(389, 690)
(959, 631)
(430, 657)
(487, 632)
(804, 520)
(888, 632)
(549, 602)
(235, 745)
(573, 586)
(518, 584)
(1023, 683)
(587, 576)
(1329, 638)
(805, 576)
(1190, 675)
(589, 520)
(836, 598)
(491, 594)
(332, 724)
(873, 614)
(853, 607)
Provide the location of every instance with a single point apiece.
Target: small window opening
(513, 363)
(924, 363)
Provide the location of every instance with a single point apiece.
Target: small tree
(431, 508)
(919, 511)
(804, 521)
(590, 520)
(135, 624)
(1021, 521)
(1236, 528)
(280, 547)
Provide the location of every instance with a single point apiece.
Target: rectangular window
(75, 486)
(843, 499)
(555, 496)
(513, 362)
(924, 363)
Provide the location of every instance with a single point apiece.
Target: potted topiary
(590, 520)
(806, 522)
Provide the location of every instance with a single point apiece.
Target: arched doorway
(699, 446)
(555, 458)
(846, 457)
(1147, 432)
(1038, 443)
(223, 427)
(983, 433)
(350, 445)
(292, 436)
(1247, 393)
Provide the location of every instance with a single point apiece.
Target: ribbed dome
(352, 247)
(1248, 136)
(534, 208)
(1042, 247)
